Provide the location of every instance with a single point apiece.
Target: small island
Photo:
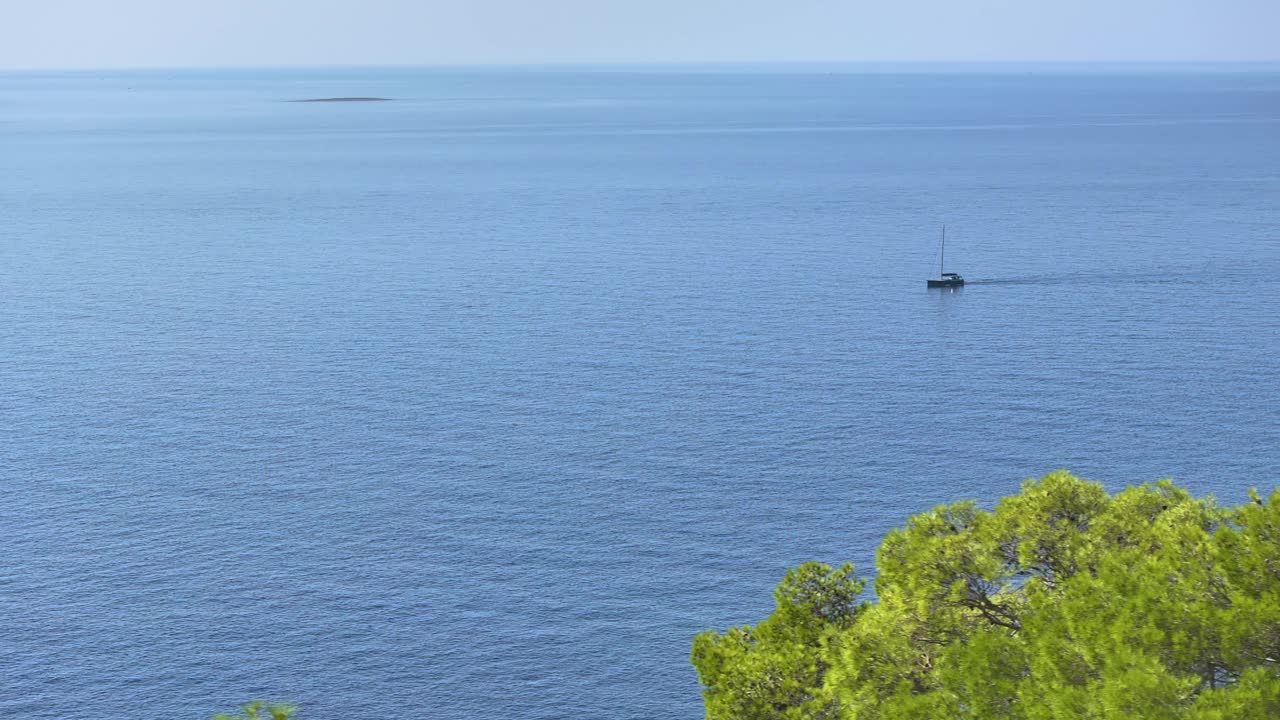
(343, 99)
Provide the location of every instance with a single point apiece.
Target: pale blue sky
(132, 33)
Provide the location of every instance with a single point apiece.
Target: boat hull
(945, 283)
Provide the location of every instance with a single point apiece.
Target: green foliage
(773, 669)
(255, 709)
(1062, 603)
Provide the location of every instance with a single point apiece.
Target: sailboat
(945, 279)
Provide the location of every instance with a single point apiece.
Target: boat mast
(942, 256)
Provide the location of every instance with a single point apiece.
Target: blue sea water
(483, 401)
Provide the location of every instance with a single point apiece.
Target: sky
(232, 33)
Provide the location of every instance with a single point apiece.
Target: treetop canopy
(1063, 602)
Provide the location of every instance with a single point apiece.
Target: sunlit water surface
(480, 403)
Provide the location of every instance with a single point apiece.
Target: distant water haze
(157, 33)
(481, 402)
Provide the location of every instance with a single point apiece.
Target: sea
(482, 401)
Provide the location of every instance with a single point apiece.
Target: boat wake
(1090, 279)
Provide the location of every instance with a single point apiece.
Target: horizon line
(672, 64)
